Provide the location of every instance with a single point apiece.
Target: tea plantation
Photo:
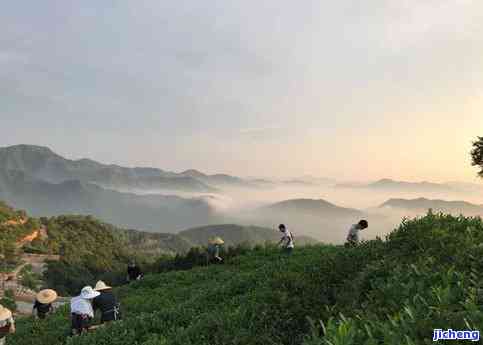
(425, 275)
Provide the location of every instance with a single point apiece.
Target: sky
(353, 90)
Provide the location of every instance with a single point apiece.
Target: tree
(477, 155)
(9, 252)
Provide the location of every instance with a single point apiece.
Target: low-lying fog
(243, 206)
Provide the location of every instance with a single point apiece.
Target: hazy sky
(347, 89)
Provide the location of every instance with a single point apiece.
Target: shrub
(424, 276)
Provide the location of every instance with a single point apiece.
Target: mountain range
(44, 183)
(41, 163)
(149, 212)
(311, 207)
(393, 185)
(423, 204)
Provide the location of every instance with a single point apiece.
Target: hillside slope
(422, 278)
(91, 249)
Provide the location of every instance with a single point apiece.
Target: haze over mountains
(423, 204)
(41, 163)
(421, 187)
(45, 184)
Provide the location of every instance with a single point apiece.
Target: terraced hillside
(424, 276)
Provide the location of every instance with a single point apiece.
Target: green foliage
(12, 230)
(195, 257)
(8, 300)
(424, 276)
(8, 213)
(9, 252)
(30, 279)
(89, 249)
(477, 155)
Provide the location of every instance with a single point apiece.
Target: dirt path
(38, 263)
(37, 233)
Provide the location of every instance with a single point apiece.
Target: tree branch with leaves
(477, 155)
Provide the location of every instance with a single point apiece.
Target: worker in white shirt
(81, 310)
(286, 240)
(353, 236)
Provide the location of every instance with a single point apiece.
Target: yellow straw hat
(5, 313)
(47, 296)
(217, 240)
(100, 285)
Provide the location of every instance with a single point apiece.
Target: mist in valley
(251, 206)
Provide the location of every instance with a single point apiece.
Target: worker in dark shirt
(106, 303)
(134, 272)
(43, 303)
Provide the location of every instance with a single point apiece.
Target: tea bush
(424, 276)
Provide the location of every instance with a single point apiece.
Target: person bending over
(287, 239)
(106, 302)
(43, 303)
(353, 237)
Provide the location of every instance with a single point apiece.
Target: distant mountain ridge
(150, 212)
(219, 180)
(424, 185)
(43, 164)
(393, 185)
(314, 207)
(437, 205)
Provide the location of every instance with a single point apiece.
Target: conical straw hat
(46, 296)
(4, 313)
(100, 285)
(217, 240)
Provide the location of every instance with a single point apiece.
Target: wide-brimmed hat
(217, 240)
(47, 296)
(88, 292)
(100, 285)
(4, 313)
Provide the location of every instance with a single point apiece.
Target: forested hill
(14, 226)
(8, 213)
(423, 277)
(90, 249)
